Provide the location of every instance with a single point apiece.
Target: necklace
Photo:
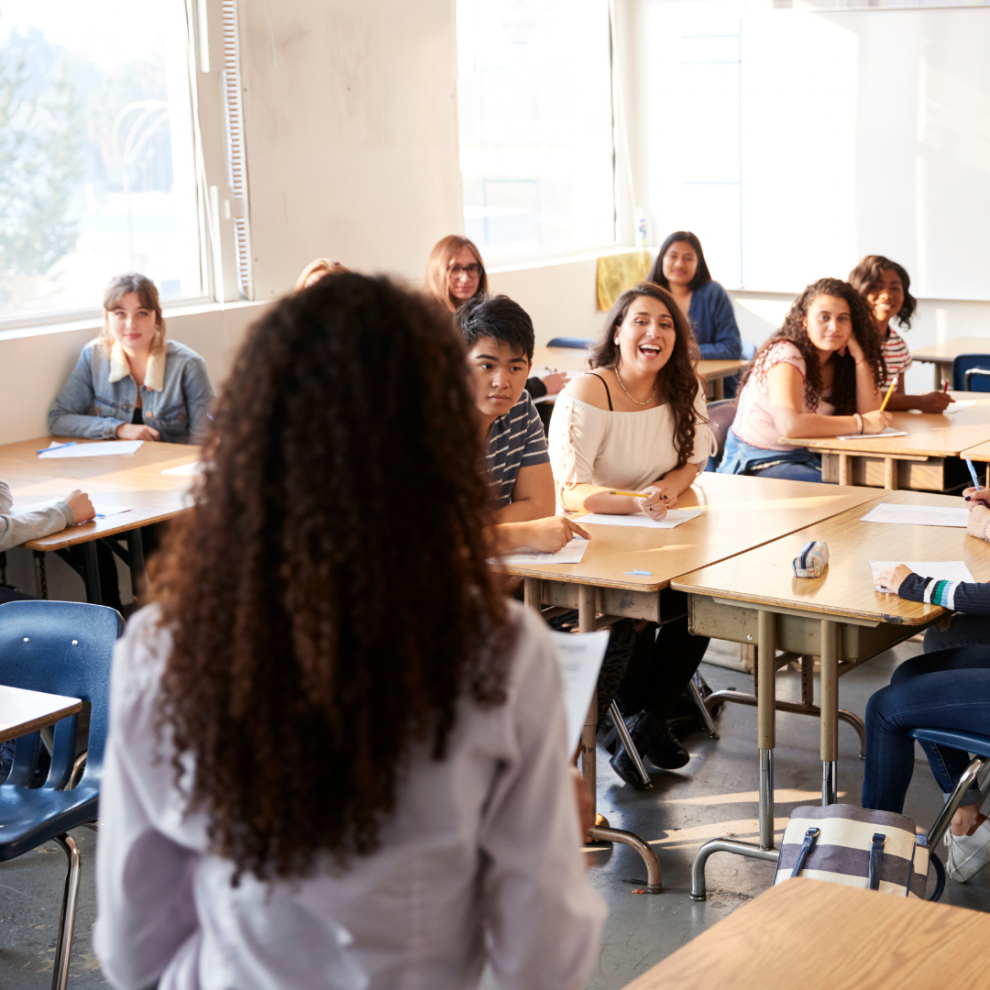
(631, 399)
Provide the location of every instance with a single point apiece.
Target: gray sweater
(31, 524)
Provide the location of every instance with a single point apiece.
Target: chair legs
(63, 948)
(694, 687)
(627, 741)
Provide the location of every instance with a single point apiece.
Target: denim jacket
(100, 395)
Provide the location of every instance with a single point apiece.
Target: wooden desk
(941, 356)
(814, 935)
(839, 617)
(576, 359)
(23, 711)
(134, 480)
(980, 453)
(924, 460)
(739, 513)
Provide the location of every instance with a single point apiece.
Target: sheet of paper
(917, 515)
(958, 406)
(888, 432)
(673, 519)
(573, 553)
(186, 470)
(580, 657)
(941, 570)
(102, 511)
(101, 449)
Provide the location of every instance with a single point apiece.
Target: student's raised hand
(554, 533)
(82, 507)
(854, 348)
(977, 523)
(934, 402)
(876, 421)
(136, 431)
(655, 505)
(976, 496)
(891, 578)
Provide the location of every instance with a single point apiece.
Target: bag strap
(810, 838)
(876, 855)
(939, 876)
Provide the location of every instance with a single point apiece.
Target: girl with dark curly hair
(886, 287)
(638, 422)
(819, 375)
(337, 754)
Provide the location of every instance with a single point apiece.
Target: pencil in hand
(630, 494)
(886, 398)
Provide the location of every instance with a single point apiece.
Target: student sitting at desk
(819, 375)
(886, 285)
(337, 754)
(946, 689)
(638, 423)
(131, 383)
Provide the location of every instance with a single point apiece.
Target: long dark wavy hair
(866, 276)
(701, 275)
(678, 381)
(843, 395)
(328, 595)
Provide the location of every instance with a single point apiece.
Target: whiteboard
(796, 142)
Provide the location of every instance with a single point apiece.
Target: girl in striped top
(885, 286)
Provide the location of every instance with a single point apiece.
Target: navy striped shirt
(515, 440)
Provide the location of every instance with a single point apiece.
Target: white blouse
(628, 450)
(482, 859)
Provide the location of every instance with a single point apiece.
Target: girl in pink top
(819, 375)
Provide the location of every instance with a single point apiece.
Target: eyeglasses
(471, 271)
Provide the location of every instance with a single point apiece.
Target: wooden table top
(134, 480)
(981, 452)
(928, 434)
(814, 935)
(764, 576)
(576, 359)
(949, 350)
(740, 512)
(23, 711)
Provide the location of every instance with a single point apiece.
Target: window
(97, 163)
(535, 113)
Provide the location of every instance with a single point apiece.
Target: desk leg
(890, 474)
(719, 386)
(766, 719)
(830, 709)
(135, 549)
(91, 567)
(843, 469)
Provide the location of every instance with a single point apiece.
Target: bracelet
(986, 523)
(859, 419)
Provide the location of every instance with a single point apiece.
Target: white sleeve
(705, 444)
(576, 434)
(543, 917)
(143, 878)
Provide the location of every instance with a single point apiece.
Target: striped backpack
(877, 850)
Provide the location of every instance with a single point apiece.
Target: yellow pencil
(630, 494)
(886, 398)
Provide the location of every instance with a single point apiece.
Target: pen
(886, 398)
(972, 473)
(58, 446)
(945, 387)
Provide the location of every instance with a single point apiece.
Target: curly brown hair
(795, 330)
(328, 596)
(866, 275)
(678, 381)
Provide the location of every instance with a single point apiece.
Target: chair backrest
(581, 342)
(720, 417)
(63, 648)
(971, 373)
(748, 350)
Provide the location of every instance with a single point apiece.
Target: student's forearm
(681, 478)
(502, 537)
(525, 510)
(791, 424)
(595, 498)
(867, 396)
(899, 402)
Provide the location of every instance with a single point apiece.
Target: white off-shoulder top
(628, 450)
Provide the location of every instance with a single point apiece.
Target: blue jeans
(964, 630)
(792, 472)
(945, 690)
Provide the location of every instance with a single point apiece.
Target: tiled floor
(715, 795)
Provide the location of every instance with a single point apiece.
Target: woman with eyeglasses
(455, 273)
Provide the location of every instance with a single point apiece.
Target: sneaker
(968, 854)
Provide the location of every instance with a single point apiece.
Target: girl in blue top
(682, 270)
(131, 383)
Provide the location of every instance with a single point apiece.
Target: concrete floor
(714, 795)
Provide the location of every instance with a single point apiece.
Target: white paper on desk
(109, 510)
(190, 470)
(100, 449)
(958, 406)
(941, 570)
(673, 519)
(917, 515)
(573, 553)
(580, 658)
(888, 431)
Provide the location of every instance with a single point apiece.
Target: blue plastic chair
(579, 342)
(61, 648)
(971, 373)
(748, 351)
